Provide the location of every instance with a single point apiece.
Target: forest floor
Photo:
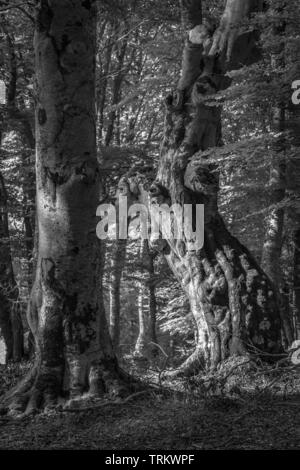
(266, 417)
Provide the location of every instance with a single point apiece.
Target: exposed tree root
(191, 366)
(69, 409)
(42, 390)
(39, 389)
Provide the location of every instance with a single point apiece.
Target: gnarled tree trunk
(232, 299)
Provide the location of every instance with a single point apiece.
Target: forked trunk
(232, 299)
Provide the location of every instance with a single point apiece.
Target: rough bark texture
(232, 299)
(293, 186)
(10, 316)
(73, 348)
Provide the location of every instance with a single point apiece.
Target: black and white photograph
(149, 228)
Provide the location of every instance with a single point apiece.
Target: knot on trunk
(159, 245)
(204, 86)
(202, 179)
(135, 187)
(159, 194)
(175, 101)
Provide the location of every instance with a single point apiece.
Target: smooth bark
(73, 349)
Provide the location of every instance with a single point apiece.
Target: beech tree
(233, 301)
(73, 348)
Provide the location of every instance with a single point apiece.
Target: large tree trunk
(232, 299)
(73, 348)
(293, 185)
(293, 169)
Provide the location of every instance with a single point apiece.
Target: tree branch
(26, 13)
(17, 6)
(235, 12)
(191, 13)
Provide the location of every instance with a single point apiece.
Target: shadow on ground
(162, 423)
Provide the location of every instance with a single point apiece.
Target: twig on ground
(102, 405)
(223, 380)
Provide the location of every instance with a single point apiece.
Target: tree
(117, 265)
(146, 343)
(10, 317)
(275, 222)
(233, 301)
(73, 348)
